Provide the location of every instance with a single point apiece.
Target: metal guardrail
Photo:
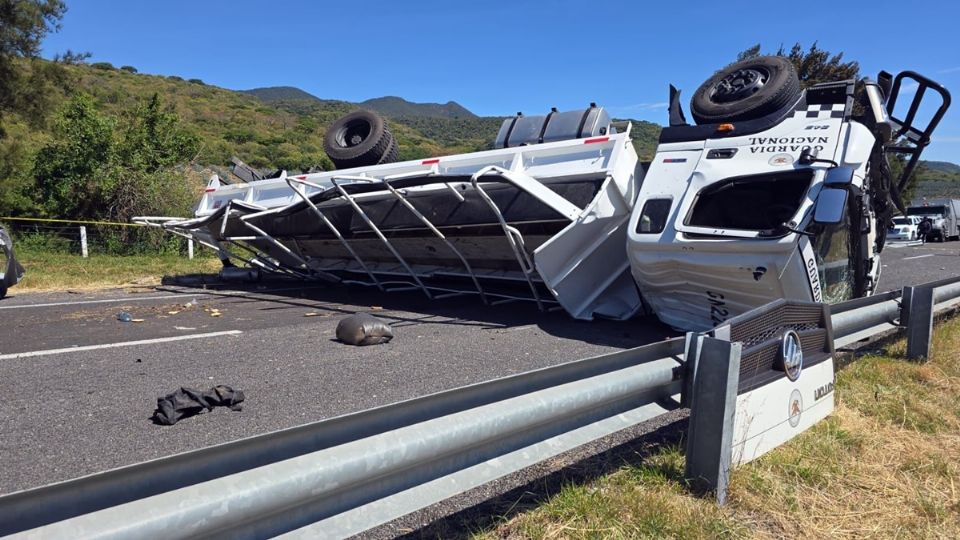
(348, 474)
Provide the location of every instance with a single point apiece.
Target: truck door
(840, 248)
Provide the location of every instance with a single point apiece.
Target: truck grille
(761, 334)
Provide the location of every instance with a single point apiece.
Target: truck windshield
(757, 202)
(926, 210)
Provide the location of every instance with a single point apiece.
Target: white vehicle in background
(944, 216)
(904, 228)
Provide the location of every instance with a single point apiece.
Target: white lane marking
(145, 298)
(15, 356)
(919, 256)
(82, 302)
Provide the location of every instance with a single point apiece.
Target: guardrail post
(190, 248)
(917, 317)
(83, 241)
(691, 353)
(714, 403)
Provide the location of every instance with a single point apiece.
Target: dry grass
(48, 270)
(886, 464)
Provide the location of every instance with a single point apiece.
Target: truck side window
(832, 247)
(653, 218)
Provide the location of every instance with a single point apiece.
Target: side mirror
(831, 205)
(838, 176)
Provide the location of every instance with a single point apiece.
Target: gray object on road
(187, 402)
(363, 329)
(10, 270)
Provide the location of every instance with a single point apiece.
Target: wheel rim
(740, 84)
(353, 133)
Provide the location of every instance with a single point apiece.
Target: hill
(942, 166)
(937, 179)
(395, 107)
(279, 93)
(391, 106)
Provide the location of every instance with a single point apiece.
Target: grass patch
(885, 464)
(48, 270)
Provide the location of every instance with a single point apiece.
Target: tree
(150, 152)
(73, 173)
(154, 139)
(94, 170)
(813, 66)
(23, 25)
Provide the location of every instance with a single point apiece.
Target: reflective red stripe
(210, 190)
(304, 177)
(430, 161)
(598, 139)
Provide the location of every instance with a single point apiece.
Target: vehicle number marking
(718, 310)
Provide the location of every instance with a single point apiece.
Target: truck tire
(3, 291)
(746, 90)
(358, 139)
(392, 154)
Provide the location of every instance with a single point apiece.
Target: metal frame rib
(513, 235)
(373, 227)
(409, 206)
(329, 224)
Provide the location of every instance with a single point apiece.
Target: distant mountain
(280, 93)
(395, 106)
(937, 179)
(941, 166)
(391, 106)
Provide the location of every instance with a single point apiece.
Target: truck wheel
(392, 154)
(3, 291)
(359, 139)
(746, 90)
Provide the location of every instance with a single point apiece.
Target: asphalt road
(68, 413)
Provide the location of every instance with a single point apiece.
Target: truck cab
(789, 200)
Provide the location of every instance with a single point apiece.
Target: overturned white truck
(777, 192)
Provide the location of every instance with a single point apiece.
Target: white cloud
(949, 70)
(641, 107)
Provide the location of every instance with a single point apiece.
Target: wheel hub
(740, 84)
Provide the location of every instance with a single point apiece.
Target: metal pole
(714, 405)
(918, 318)
(83, 241)
(190, 248)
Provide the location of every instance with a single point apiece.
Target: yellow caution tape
(72, 221)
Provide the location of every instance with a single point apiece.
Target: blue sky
(500, 57)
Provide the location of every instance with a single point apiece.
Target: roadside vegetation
(886, 464)
(50, 269)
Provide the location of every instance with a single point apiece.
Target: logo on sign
(791, 355)
(781, 160)
(795, 408)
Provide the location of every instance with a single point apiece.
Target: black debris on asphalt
(187, 402)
